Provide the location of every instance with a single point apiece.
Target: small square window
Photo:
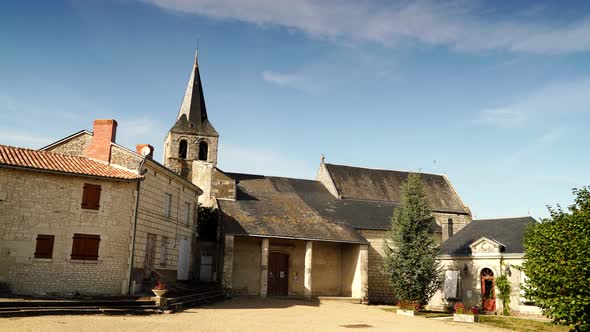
(91, 196)
(44, 247)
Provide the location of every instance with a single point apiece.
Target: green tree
(557, 253)
(410, 262)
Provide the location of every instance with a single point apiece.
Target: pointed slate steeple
(192, 117)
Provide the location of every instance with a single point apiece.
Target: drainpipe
(132, 258)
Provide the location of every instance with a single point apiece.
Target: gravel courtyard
(247, 314)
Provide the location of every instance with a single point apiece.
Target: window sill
(90, 210)
(42, 259)
(84, 261)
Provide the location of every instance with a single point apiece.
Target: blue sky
(493, 94)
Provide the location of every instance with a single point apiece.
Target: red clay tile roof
(47, 161)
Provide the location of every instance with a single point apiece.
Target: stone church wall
(33, 203)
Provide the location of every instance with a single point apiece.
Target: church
(124, 220)
(296, 237)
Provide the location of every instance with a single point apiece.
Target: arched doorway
(278, 274)
(488, 290)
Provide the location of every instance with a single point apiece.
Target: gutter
(132, 258)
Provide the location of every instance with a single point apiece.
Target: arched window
(203, 151)
(182, 147)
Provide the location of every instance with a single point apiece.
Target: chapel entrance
(488, 290)
(278, 274)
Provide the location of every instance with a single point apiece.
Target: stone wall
(151, 219)
(326, 269)
(246, 266)
(470, 268)
(379, 288)
(41, 203)
(74, 146)
(458, 221)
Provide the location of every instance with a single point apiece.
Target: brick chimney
(105, 132)
(145, 150)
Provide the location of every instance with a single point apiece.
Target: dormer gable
(486, 246)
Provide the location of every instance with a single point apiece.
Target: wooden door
(150, 253)
(488, 290)
(184, 259)
(278, 274)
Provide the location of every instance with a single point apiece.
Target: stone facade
(41, 203)
(166, 230)
(151, 219)
(379, 287)
(336, 268)
(74, 146)
(470, 268)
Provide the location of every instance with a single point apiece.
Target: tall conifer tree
(410, 261)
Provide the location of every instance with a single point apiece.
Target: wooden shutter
(91, 196)
(44, 247)
(85, 246)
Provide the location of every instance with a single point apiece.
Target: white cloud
(283, 79)
(456, 24)
(546, 104)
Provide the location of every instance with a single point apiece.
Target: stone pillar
(264, 268)
(228, 263)
(364, 273)
(307, 291)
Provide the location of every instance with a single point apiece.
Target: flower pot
(464, 318)
(404, 312)
(159, 292)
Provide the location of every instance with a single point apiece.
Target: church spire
(192, 117)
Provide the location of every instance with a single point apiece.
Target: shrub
(504, 289)
(557, 263)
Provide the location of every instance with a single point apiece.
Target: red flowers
(460, 309)
(160, 286)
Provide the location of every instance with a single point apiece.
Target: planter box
(403, 312)
(465, 318)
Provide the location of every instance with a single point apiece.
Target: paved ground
(247, 314)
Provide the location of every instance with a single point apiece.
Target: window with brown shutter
(91, 196)
(44, 247)
(85, 246)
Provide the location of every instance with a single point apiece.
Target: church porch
(294, 267)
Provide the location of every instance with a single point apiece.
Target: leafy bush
(557, 263)
(504, 289)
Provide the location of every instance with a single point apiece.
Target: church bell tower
(190, 147)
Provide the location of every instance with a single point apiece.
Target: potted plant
(160, 289)
(407, 308)
(465, 315)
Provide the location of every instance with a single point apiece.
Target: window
(85, 246)
(44, 248)
(164, 251)
(167, 204)
(182, 147)
(187, 213)
(91, 196)
(450, 228)
(203, 151)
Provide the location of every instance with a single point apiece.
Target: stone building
(297, 237)
(478, 254)
(164, 232)
(65, 223)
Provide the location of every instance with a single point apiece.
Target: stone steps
(192, 300)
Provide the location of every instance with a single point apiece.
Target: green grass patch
(521, 324)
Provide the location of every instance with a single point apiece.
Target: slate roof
(508, 231)
(385, 185)
(15, 157)
(192, 117)
(296, 208)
